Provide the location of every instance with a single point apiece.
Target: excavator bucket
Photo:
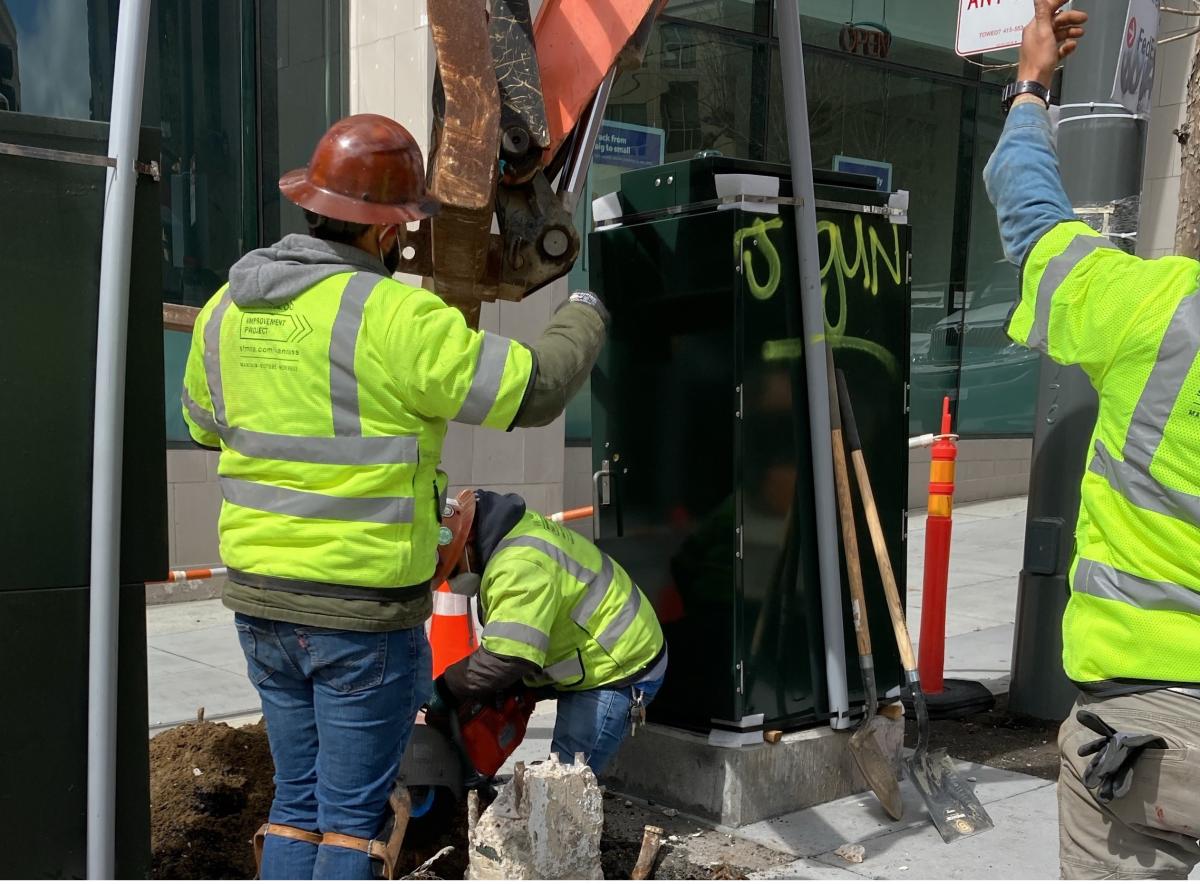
(509, 94)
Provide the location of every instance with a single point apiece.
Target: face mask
(465, 584)
(392, 259)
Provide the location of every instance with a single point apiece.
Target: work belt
(1110, 772)
(331, 590)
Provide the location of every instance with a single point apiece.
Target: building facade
(242, 89)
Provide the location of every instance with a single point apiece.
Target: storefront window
(697, 85)
(998, 384)
(883, 85)
(750, 16)
(301, 93)
(56, 57)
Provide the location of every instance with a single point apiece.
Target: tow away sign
(989, 25)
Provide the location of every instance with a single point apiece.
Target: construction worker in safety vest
(558, 615)
(1129, 786)
(327, 386)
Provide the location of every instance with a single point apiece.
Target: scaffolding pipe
(812, 307)
(116, 243)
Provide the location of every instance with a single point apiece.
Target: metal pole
(1105, 147)
(128, 79)
(812, 307)
(574, 173)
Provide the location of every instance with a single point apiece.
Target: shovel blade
(876, 769)
(956, 811)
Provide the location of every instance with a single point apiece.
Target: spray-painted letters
(850, 254)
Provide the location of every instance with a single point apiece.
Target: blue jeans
(339, 708)
(595, 722)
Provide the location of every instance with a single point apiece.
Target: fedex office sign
(988, 25)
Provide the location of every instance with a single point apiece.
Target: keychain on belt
(637, 712)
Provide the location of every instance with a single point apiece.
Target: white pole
(812, 308)
(128, 78)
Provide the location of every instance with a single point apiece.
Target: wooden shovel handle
(841, 474)
(907, 658)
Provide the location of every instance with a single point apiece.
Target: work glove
(1110, 773)
(441, 701)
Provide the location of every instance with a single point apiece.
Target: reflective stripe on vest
(201, 415)
(518, 632)
(310, 505)
(598, 585)
(1130, 477)
(485, 385)
(348, 446)
(1056, 273)
(1106, 582)
(564, 671)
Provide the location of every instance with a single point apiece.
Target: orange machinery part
(577, 43)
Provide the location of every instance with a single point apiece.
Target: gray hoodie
(276, 274)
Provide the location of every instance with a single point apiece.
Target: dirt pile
(210, 790)
(998, 738)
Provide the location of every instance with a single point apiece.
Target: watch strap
(1024, 87)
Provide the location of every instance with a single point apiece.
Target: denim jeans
(339, 708)
(595, 722)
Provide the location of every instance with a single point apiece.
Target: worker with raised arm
(558, 615)
(327, 386)
(1129, 783)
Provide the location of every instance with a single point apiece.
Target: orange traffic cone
(451, 629)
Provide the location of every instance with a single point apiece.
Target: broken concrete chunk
(670, 812)
(852, 853)
(544, 824)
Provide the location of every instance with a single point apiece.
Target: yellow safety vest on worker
(551, 597)
(1134, 327)
(330, 411)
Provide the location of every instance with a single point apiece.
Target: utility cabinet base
(738, 786)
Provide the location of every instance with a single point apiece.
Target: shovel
(865, 747)
(953, 805)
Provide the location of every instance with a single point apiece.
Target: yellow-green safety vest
(1134, 326)
(551, 597)
(330, 412)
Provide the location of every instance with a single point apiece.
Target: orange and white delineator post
(931, 656)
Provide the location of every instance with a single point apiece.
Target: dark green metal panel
(51, 259)
(701, 417)
(51, 256)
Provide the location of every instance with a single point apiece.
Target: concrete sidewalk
(195, 661)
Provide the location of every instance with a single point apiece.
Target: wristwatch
(1023, 87)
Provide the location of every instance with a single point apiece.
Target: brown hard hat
(457, 521)
(366, 169)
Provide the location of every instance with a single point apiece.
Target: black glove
(441, 701)
(1110, 773)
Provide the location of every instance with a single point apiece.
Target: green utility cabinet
(53, 206)
(700, 429)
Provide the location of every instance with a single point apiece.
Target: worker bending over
(558, 614)
(327, 386)
(1129, 783)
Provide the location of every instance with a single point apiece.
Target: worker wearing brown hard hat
(327, 386)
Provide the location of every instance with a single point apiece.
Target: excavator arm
(517, 105)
